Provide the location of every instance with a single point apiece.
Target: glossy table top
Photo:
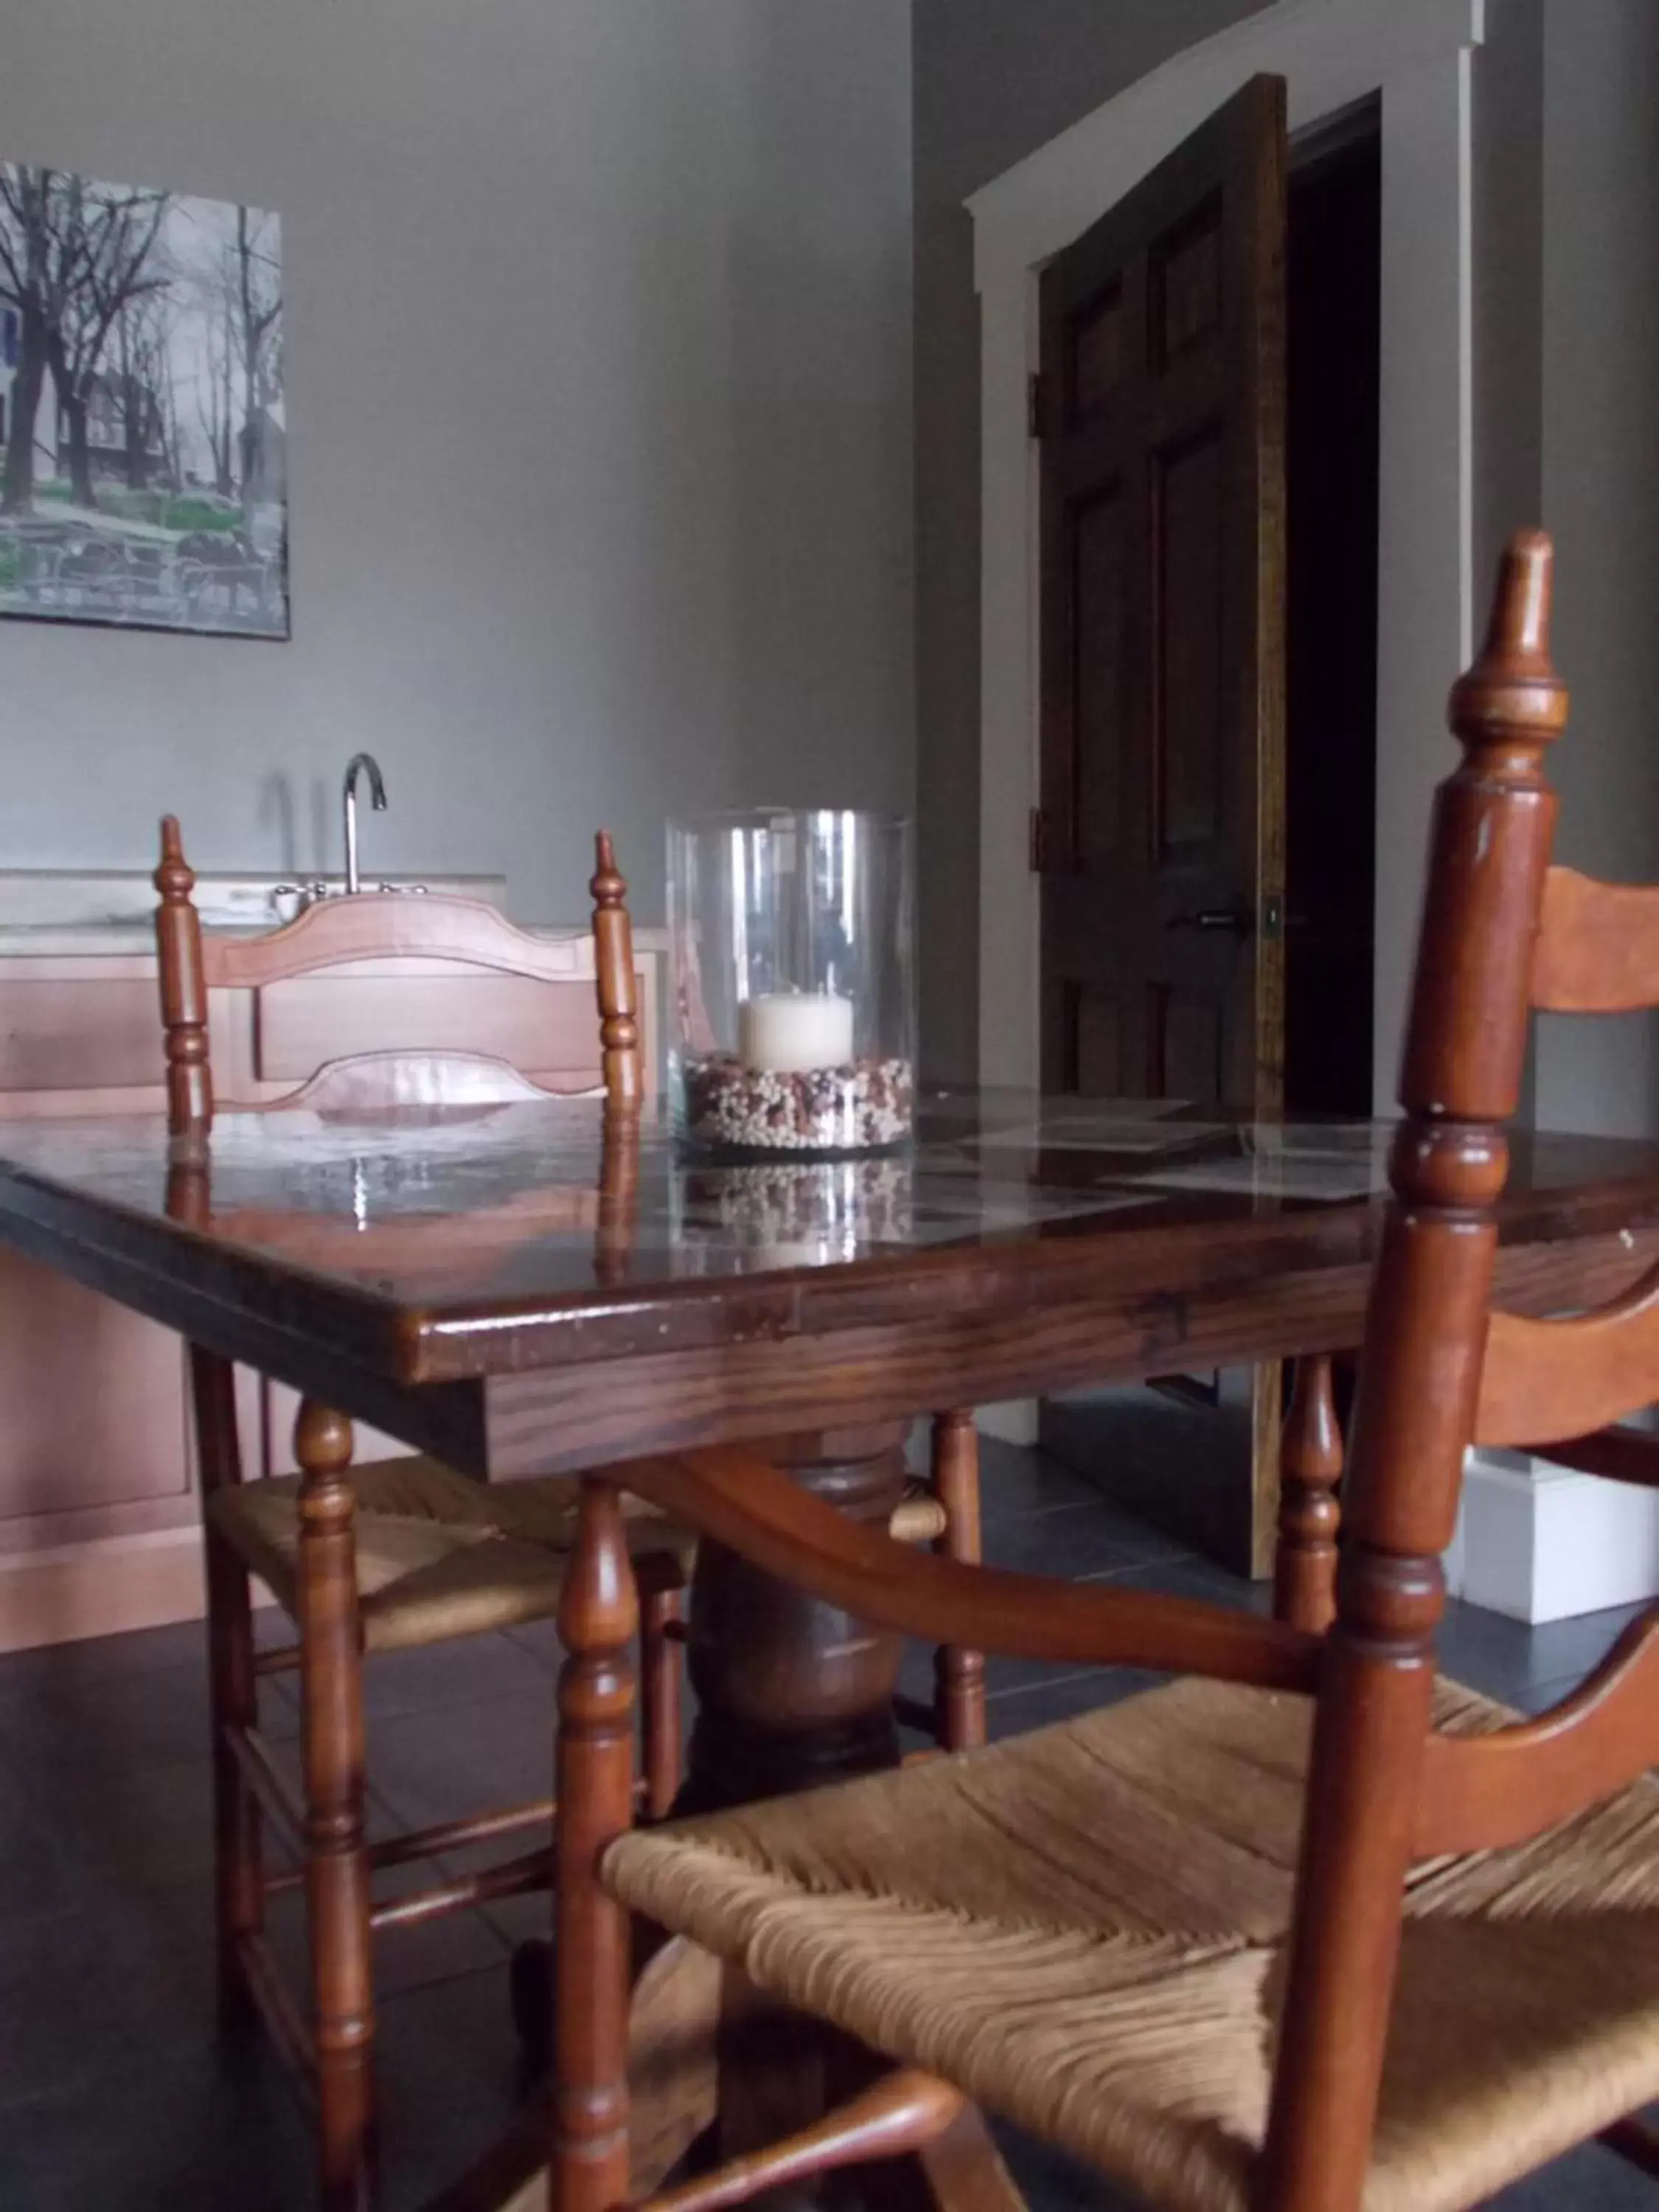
(470, 1230)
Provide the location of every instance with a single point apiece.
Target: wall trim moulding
(1416, 54)
(105, 1588)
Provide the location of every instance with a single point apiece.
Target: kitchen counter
(42, 940)
(55, 913)
(47, 913)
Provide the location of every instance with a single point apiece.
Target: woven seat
(438, 1555)
(1083, 1927)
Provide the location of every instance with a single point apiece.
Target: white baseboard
(103, 1587)
(1540, 1542)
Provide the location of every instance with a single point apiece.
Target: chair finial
(183, 985)
(1512, 695)
(607, 887)
(174, 877)
(613, 951)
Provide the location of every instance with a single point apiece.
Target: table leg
(791, 1691)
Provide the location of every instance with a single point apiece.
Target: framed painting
(143, 429)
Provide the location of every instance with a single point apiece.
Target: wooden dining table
(532, 1287)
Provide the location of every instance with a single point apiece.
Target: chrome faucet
(367, 763)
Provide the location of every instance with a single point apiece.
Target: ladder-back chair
(1312, 1931)
(418, 1553)
(396, 1553)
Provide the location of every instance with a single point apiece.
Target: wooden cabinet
(99, 1516)
(80, 1034)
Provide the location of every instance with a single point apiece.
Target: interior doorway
(1200, 1455)
(1332, 352)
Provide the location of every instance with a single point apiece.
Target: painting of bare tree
(143, 434)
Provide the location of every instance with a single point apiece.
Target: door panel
(1189, 517)
(1094, 357)
(1190, 1030)
(1186, 270)
(1097, 1025)
(1162, 639)
(1097, 555)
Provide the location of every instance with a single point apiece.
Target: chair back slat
(368, 1081)
(377, 926)
(1598, 946)
(1483, 1792)
(274, 1017)
(1544, 1381)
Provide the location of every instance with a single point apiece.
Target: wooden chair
(1313, 1931)
(415, 1553)
(398, 1553)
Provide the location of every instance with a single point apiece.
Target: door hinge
(1040, 840)
(1036, 404)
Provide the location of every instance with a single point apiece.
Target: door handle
(1236, 921)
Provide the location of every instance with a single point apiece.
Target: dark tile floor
(114, 2092)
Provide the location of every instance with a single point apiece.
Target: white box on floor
(1540, 1542)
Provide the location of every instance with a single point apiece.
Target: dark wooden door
(1160, 409)
(1162, 422)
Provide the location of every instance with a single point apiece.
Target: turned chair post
(958, 1671)
(1466, 1045)
(238, 1870)
(336, 1857)
(599, 1617)
(1309, 1470)
(183, 985)
(239, 1862)
(613, 964)
(619, 1195)
(662, 1670)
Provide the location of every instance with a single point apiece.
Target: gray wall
(599, 396)
(1508, 319)
(994, 80)
(1599, 418)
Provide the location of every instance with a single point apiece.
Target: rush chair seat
(1112, 1976)
(1307, 1930)
(438, 1555)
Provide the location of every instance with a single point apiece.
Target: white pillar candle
(789, 1030)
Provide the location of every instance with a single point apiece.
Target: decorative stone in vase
(793, 1004)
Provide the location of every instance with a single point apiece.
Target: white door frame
(1416, 53)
